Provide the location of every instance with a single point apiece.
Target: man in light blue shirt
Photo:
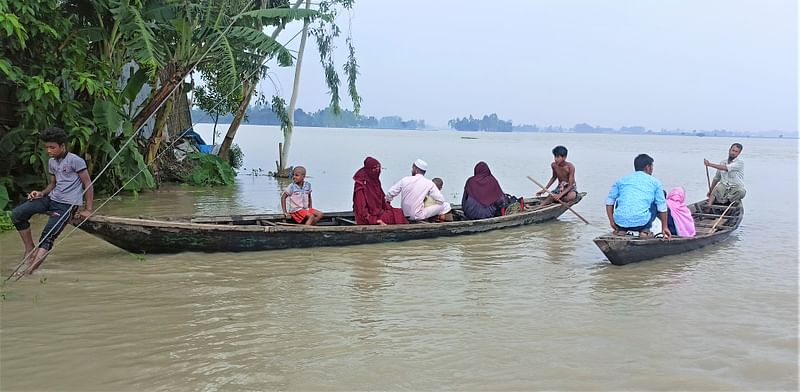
(636, 199)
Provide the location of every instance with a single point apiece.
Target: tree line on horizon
(264, 115)
(488, 123)
(491, 123)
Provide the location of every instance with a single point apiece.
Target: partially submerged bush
(236, 157)
(209, 170)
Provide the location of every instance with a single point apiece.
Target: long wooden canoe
(241, 233)
(712, 227)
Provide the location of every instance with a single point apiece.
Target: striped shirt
(298, 196)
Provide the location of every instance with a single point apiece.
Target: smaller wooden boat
(712, 225)
(242, 233)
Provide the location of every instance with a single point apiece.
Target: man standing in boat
(728, 185)
(413, 190)
(636, 199)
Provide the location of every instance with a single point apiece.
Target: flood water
(530, 308)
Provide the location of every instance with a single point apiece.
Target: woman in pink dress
(684, 223)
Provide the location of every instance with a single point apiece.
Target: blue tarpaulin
(198, 140)
(191, 134)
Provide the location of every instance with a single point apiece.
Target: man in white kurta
(413, 190)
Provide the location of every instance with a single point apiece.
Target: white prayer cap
(421, 165)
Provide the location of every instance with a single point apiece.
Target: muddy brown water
(527, 308)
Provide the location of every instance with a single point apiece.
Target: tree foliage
(214, 97)
(209, 170)
(56, 69)
(325, 32)
(81, 64)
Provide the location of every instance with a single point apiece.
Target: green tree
(325, 32)
(225, 32)
(288, 127)
(82, 63)
(214, 99)
(254, 70)
(56, 72)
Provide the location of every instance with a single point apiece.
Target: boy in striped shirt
(296, 199)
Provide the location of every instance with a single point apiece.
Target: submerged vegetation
(208, 169)
(103, 69)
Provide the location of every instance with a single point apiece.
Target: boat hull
(620, 252)
(163, 236)
(625, 250)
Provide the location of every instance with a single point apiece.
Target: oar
(560, 201)
(720, 218)
(708, 178)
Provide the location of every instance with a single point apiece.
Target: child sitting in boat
(429, 200)
(298, 193)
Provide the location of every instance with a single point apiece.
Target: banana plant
(226, 32)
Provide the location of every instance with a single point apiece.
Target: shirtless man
(564, 172)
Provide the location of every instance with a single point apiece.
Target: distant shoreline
(432, 129)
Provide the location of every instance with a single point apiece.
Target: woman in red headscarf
(483, 197)
(369, 202)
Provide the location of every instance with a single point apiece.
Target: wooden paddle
(560, 201)
(720, 218)
(708, 178)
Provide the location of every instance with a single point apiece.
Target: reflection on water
(536, 307)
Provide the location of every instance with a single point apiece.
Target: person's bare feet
(33, 261)
(23, 267)
(34, 267)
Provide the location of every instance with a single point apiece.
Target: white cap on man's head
(421, 165)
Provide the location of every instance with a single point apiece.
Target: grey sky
(689, 64)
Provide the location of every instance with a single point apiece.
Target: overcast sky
(689, 64)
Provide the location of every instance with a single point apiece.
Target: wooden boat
(712, 226)
(242, 233)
